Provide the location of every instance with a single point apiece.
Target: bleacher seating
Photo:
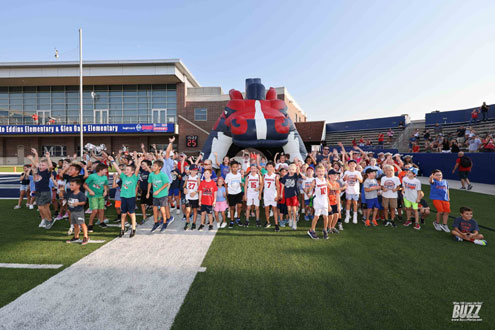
(449, 130)
(346, 137)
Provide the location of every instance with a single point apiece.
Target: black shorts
(235, 199)
(128, 205)
(282, 208)
(463, 175)
(333, 209)
(206, 208)
(146, 201)
(192, 203)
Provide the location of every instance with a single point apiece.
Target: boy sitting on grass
(465, 228)
(76, 201)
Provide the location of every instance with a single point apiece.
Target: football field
(376, 278)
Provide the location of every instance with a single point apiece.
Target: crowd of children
(328, 186)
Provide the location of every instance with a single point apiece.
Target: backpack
(465, 161)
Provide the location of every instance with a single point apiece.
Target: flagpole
(81, 95)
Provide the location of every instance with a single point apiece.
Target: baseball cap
(332, 171)
(193, 167)
(414, 170)
(351, 161)
(381, 153)
(408, 156)
(395, 155)
(369, 170)
(388, 153)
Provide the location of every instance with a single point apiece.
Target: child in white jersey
(320, 187)
(233, 180)
(252, 196)
(352, 178)
(270, 194)
(191, 186)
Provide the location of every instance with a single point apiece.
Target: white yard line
(31, 266)
(137, 283)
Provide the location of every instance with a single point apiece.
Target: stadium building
(124, 103)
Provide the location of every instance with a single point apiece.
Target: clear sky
(341, 60)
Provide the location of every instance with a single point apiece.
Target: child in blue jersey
(224, 166)
(439, 194)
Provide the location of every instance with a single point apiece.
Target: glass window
(155, 87)
(159, 99)
(159, 93)
(200, 114)
(101, 88)
(130, 99)
(115, 106)
(159, 105)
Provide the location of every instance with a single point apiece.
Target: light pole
(81, 95)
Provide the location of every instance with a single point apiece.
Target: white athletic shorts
(252, 200)
(321, 211)
(269, 201)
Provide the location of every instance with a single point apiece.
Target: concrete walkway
(482, 188)
(137, 283)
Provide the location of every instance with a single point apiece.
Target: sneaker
(90, 229)
(66, 215)
(103, 225)
(294, 225)
(267, 225)
(282, 223)
(393, 224)
(354, 219)
(306, 218)
(85, 241)
(71, 230)
(59, 217)
(341, 227)
(164, 226)
(49, 224)
(481, 242)
(117, 219)
(193, 226)
(417, 226)
(210, 227)
(325, 234)
(183, 218)
(407, 223)
(223, 224)
(17, 207)
(231, 224)
(335, 231)
(172, 219)
(367, 223)
(42, 223)
(387, 223)
(290, 222)
(108, 204)
(463, 188)
(422, 221)
(200, 228)
(347, 217)
(88, 211)
(246, 224)
(277, 228)
(31, 206)
(374, 223)
(156, 225)
(258, 223)
(72, 240)
(186, 226)
(470, 186)
(437, 226)
(133, 232)
(445, 228)
(457, 239)
(122, 232)
(312, 234)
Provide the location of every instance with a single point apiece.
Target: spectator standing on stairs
(437, 129)
(484, 111)
(390, 135)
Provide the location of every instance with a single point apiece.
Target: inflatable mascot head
(259, 121)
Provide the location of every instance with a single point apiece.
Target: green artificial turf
(364, 278)
(21, 241)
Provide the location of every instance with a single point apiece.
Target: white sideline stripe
(149, 271)
(202, 269)
(91, 241)
(260, 120)
(31, 266)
